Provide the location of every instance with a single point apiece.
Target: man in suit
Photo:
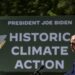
(72, 43)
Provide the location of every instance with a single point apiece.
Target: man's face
(72, 41)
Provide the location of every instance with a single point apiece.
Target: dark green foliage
(37, 7)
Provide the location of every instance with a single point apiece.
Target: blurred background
(37, 7)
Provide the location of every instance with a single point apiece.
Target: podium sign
(26, 43)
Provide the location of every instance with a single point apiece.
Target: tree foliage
(37, 7)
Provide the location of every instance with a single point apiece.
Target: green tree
(37, 7)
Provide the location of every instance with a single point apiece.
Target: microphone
(41, 68)
(37, 72)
